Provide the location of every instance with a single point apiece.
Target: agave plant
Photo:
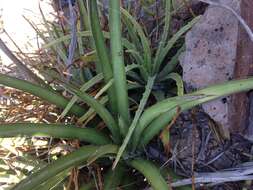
(126, 132)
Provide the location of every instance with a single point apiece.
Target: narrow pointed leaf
(102, 53)
(100, 110)
(165, 32)
(179, 82)
(40, 92)
(71, 160)
(114, 177)
(98, 78)
(172, 41)
(135, 120)
(145, 42)
(151, 173)
(117, 60)
(188, 101)
(53, 130)
(171, 65)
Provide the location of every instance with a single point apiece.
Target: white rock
(210, 55)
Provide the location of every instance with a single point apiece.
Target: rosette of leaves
(121, 143)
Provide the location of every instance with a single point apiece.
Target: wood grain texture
(244, 67)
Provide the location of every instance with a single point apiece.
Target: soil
(196, 142)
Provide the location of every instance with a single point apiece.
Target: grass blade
(53, 130)
(65, 38)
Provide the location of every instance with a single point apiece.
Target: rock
(210, 56)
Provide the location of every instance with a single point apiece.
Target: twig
(211, 179)
(194, 130)
(73, 42)
(20, 65)
(243, 172)
(240, 19)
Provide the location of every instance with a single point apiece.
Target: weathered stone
(210, 56)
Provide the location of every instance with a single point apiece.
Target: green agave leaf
(55, 182)
(40, 92)
(117, 61)
(133, 125)
(170, 66)
(128, 45)
(53, 130)
(114, 177)
(91, 112)
(89, 186)
(100, 110)
(132, 33)
(84, 25)
(98, 78)
(89, 57)
(163, 117)
(178, 79)
(151, 172)
(98, 153)
(84, 16)
(171, 43)
(71, 160)
(104, 89)
(102, 53)
(165, 31)
(65, 38)
(145, 42)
